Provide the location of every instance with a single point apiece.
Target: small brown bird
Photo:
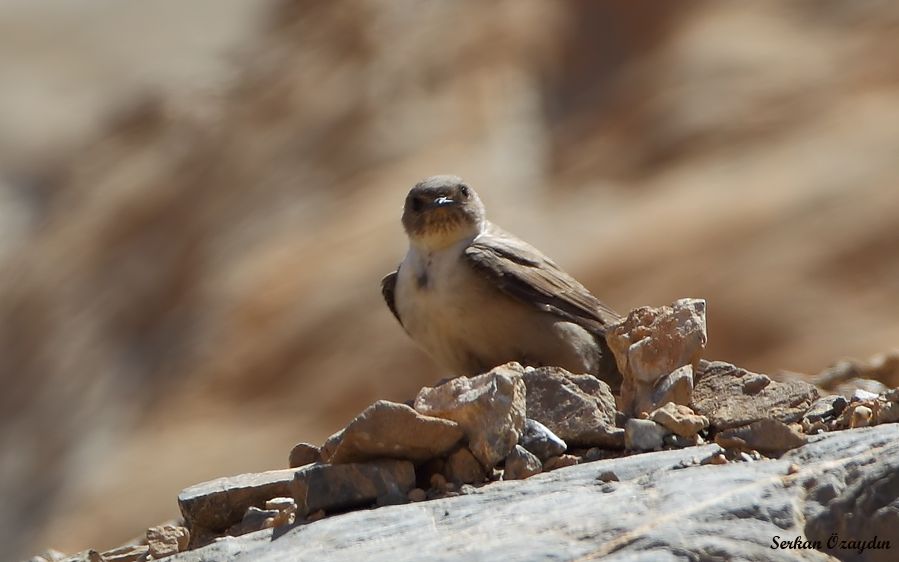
(474, 296)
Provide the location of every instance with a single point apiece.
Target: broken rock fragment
(303, 454)
(579, 409)
(462, 468)
(127, 553)
(521, 464)
(390, 430)
(165, 540)
(539, 440)
(489, 408)
(644, 435)
(732, 397)
(342, 486)
(679, 419)
(768, 436)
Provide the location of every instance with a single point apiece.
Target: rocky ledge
(538, 463)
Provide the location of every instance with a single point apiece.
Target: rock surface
(521, 464)
(579, 409)
(679, 419)
(490, 409)
(644, 435)
(731, 397)
(165, 540)
(539, 440)
(390, 430)
(659, 510)
(768, 436)
(303, 454)
(342, 486)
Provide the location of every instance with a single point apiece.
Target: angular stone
(462, 468)
(254, 519)
(390, 430)
(561, 461)
(342, 486)
(679, 419)
(303, 454)
(889, 413)
(521, 464)
(579, 409)
(490, 409)
(824, 408)
(127, 553)
(652, 342)
(768, 436)
(644, 435)
(732, 397)
(676, 387)
(539, 440)
(220, 503)
(165, 540)
(85, 556)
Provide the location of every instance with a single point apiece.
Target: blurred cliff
(198, 200)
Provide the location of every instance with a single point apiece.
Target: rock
(608, 476)
(732, 397)
(315, 516)
(462, 468)
(676, 387)
(679, 441)
(579, 409)
(521, 464)
(769, 436)
(489, 408)
(845, 484)
(165, 540)
(861, 416)
(679, 419)
(127, 553)
(889, 413)
(417, 495)
(561, 461)
(644, 435)
(652, 342)
(825, 407)
(342, 486)
(860, 394)
(878, 372)
(49, 555)
(254, 519)
(85, 556)
(303, 454)
(539, 440)
(218, 504)
(390, 430)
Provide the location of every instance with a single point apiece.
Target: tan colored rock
(861, 416)
(769, 436)
(679, 419)
(638, 399)
(90, 555)
(463, 468)
(165, 540)
(218, 504)
(560, 461)
(342, 486)
(417, 495)
(127, 553)
(733, 397)
(490, 409)
(254, 519)
(579, 409)
(390, 430)
(521, 464)
(652, 342)
(303, 454)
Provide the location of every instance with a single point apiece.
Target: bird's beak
(444, 201)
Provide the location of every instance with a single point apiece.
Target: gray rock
(732, 397)
(127, 553)
(85, 556)
(490, 409)
(663, 508)
(539, 440)
(521, 464)
(303, 454)
(390, 430)
(334, 487)
(644, 435)
(825, 407)
(220, 503)
(579, 409)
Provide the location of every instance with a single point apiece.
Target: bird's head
(442, 210)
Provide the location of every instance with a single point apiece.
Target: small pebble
(608, 476)
(417, 495)
(316, 515)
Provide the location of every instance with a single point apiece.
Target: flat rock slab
(659, 510)
(393, 431)
(334, 487)
(730, 396)
(220, 503)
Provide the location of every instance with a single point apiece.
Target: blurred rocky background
(198, 200)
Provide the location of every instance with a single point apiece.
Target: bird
(474, 296)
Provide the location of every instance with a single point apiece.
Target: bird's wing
(523, 272)
(388, 288)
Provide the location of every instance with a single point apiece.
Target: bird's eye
(464, 190)
(417, 204)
